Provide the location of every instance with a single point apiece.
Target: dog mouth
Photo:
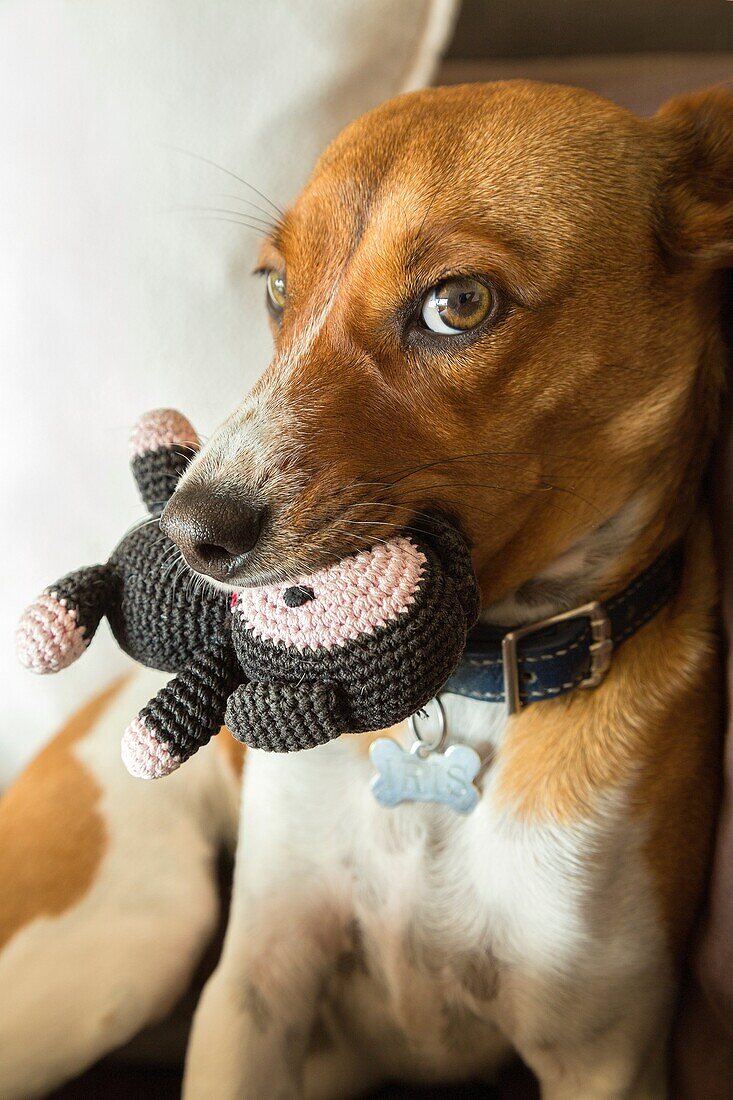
(284, 554)
(247, 529)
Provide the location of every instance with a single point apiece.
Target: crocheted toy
(355, 647)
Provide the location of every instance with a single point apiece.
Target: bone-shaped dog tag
(414, 776)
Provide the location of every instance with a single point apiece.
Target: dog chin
(257, 578)
(284, 571)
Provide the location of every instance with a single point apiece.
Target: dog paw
(162, 428)
(144, 755)
(49, 636)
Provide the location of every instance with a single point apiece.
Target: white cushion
(116, 295)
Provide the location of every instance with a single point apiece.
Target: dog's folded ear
(697, 202)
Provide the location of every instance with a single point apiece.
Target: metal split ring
(424, 746)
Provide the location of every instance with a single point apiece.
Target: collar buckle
(601, 649)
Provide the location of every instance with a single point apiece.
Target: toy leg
(109, 894)
(281, 717)
(183, 716)
(162, 444)
(57, 627)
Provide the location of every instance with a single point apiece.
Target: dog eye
(456, 305)
(276, 292)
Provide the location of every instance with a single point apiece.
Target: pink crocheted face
(352, 598)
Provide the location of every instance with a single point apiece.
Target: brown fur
(599, 380)
(649, 726)
(234, 751)
(52, 835)
(600, 375)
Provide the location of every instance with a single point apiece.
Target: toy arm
(57, 627)
(162, 444)
(284, 717)
(183, 716)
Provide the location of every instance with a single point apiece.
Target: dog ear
(697, 205)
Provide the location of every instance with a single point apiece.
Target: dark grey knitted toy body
(381, 633)
(358, 646)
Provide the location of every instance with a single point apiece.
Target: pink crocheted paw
(162, 428)
(49, 637)
(143, 755)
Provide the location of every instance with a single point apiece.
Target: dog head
(500, 301)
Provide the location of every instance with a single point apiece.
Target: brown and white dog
(502, 300)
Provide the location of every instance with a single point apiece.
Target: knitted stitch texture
(49, 637)
(365, 643)
(157, 474)
(144, 589)
(189, 710)
(380, 658)
(347, 601)
(284, 717)
(357, 646)
(162, 618)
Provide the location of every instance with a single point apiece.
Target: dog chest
(457, 922)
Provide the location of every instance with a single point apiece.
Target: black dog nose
(214, 530)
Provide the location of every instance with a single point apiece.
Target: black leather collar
(551, 657)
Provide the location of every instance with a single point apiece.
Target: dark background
(563, 28)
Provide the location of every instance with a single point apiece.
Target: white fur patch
(80, 984)
(564, 914)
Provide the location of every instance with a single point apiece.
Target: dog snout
(215, 531)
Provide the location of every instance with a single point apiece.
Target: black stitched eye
(298, 595)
